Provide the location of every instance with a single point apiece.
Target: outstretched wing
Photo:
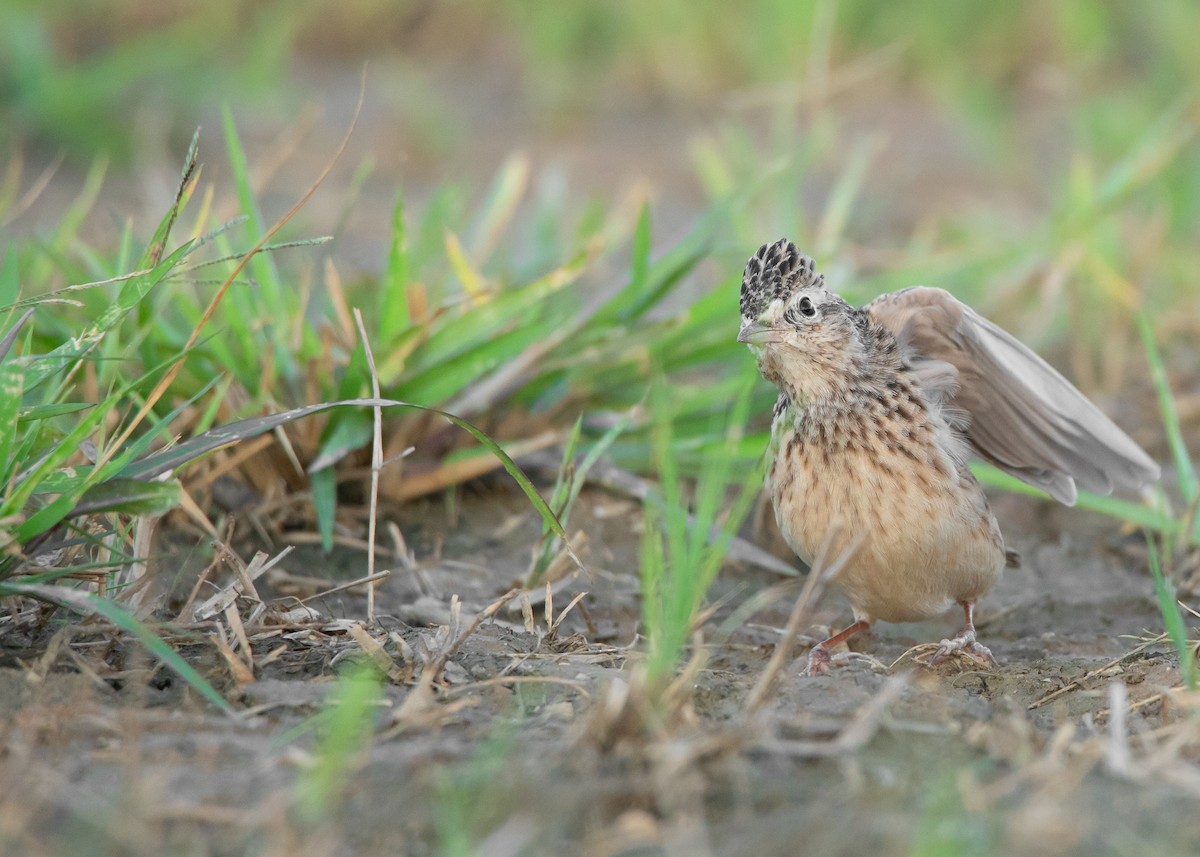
(1021, 415)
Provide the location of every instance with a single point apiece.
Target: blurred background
(1038, 159)
(950, 108)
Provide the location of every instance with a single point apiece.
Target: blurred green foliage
(77, 74)
(81, 76)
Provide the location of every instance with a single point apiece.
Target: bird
(880, 409)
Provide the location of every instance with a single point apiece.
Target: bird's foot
(819, 662)
(819, 659)
(964, 643)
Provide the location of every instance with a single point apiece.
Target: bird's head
(790, 320)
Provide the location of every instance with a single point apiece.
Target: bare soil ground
(525, 749)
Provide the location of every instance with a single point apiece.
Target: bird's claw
(966, 644)
(818, 662)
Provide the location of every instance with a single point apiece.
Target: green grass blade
(653, 570)
(158, 244)
(61, 451)
(501, 203)
(566, 476)
(1172, 616)
(262, 266)
(1154, 150)
(444, 380)
(35, 413)
(650, 282)
(10, 279)
(518, 475)
(1125, 510)
(12, 386)
(506, 313)
(598, 449)
(639, 268)
(10, 337)
(323, 484)
(1185, 470)
(130, 497)
(561, 497)
(78, 347)
(49, 476)
(345, 432)
(394, 315)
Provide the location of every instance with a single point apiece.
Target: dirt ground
(114, 756)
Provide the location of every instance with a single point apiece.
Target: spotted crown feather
(774, 272)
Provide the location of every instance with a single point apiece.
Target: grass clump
(83, 482)
(682, 547)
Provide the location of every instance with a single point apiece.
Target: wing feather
(1021, 414)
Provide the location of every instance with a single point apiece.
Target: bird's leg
(819, 658)
(964, 641)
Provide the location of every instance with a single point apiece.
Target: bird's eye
(806, 307)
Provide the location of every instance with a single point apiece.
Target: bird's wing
(1021, 415)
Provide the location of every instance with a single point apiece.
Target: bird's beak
(758, 334)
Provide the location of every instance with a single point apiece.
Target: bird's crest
(774, 273)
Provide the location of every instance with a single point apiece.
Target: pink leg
(964, 641)
(819, 659)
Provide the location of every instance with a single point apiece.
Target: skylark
(879, 409)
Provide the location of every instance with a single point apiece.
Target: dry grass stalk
(201, 580)
(375, 652)
(35, 190)
(636, 715)
(563, 565)
(36, 672)
(376, 463)
(136, 573)
(1117, 756)
(1099, 671)
(242, 584)
(814, 586)
(527, 613)
(234, 618)
(341, 309)
(511, 680)
(554, 622)
(242, 674)
(305, 537)
(350, 584)
(400, 549)
(420, 700)
(196, 514)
